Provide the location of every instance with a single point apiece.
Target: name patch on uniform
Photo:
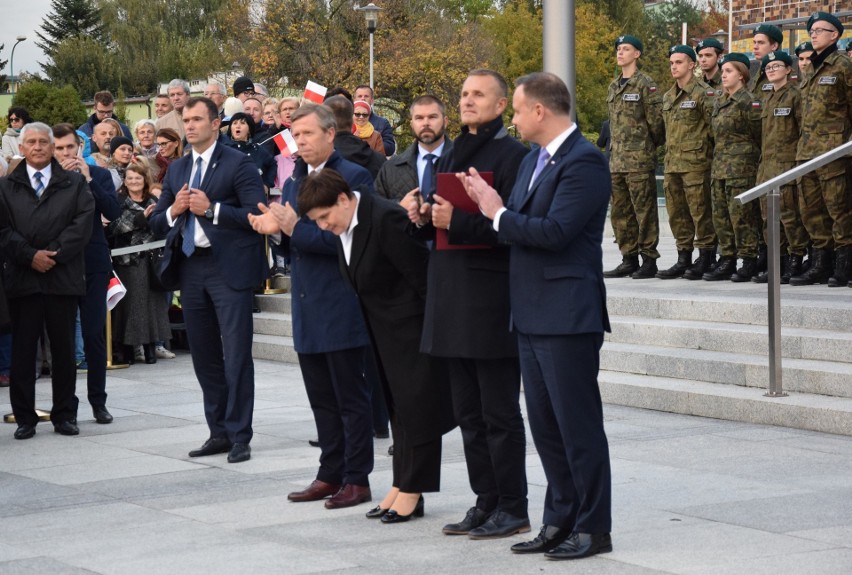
(767, 87)
(781, 111)
(631, 97)
(689, 104)
(829, 80)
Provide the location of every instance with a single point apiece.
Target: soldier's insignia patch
(781, 112)
(755, 104)
(688, 105)
(652, 89)
(828, 80)
(711, 92)
(631, 97)
(767, 87)
(770, 56)
(621, 38)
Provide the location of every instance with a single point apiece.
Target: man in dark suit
(98, 264)
(328, 328)
(203, 212)
(554, 222)
(467, 317)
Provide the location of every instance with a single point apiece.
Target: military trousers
(794, 239)
(737, 225)
(690, 210)
(634, 216)
(825, 201)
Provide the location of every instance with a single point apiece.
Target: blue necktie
(39, 189)
(543, 156)
(189, 227)
(426, 184)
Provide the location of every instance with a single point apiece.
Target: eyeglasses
(14, 119)
(775, 67)
(818, 31)
(360, 115)
(104, 112)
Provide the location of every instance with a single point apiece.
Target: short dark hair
(64, 129)
(343, 110)
(21, 113)
(104, 98)
(247, 119)
(321, 189)
(366, 86)
(547, 89)
(501, 81)
(212, 108)
(337, 91)
(427, 99)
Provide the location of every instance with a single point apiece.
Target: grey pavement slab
(690, 495)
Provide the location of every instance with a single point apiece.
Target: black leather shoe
(393, 517)
(500, 524)
(580, 545)
(24, 431)
(548, 538)
(239, 452)
(473, 519)
(101, 414)
(66, 428)
(376, 512)
(212, 446)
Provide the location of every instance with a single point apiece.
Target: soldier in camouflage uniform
(689, 149)
(826, 200)
(636, 129)
(736, 133)
(767, 38)
(781, 125)
(804, 51)
(709, 51)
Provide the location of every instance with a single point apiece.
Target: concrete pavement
(690, 495)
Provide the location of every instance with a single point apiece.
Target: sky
(23, 18)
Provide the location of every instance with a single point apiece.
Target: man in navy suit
(328, 328)
(554, 223)
(98, 265)
(217, 259)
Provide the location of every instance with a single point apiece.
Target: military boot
(648, 269)
(703, 264)
(762, 258)
(842, 267)
(684, 260)
(794, 268)
(628, 265)
(726, 267)
(819, 271)
(763, 277)
(747, 271)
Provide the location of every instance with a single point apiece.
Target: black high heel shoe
(376, 512)
(392, 516)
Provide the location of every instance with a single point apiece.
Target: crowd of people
(426, 283)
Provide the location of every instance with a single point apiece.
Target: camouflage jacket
(760, 86)
(781, 125)
(826, 107)
(716, 81)
(689, 144)
(736, 132)
(635, 123)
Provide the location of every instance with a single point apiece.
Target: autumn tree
(50, 103)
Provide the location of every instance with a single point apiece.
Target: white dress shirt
(346, 237)
(201, 239)
(46, 172)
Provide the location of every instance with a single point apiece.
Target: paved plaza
(690, 495)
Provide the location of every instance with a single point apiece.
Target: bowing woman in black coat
(387, 269)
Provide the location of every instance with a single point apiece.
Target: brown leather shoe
(349, 496)
(315, 491)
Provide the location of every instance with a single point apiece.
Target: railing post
(773, 209)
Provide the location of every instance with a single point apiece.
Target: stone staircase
(697, 348)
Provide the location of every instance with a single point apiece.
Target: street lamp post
(12, 65)
(722, 37)
(371, 14)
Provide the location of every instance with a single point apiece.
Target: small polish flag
(285, 142)
(115, 291)
(314, 92)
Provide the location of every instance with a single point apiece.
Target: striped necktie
(39, 189)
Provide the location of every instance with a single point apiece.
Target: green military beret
(632, 40)
(776, 56)
(709, 43)
(735, 57)
(804, 47)
(681, 49)
(825, 17)
(772, 32)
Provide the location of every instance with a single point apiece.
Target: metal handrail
(772, 190)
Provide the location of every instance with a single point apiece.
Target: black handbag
(155, 273)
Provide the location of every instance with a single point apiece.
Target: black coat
(357, 151)
(467, 304)
(387, 269)
(61, 221)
